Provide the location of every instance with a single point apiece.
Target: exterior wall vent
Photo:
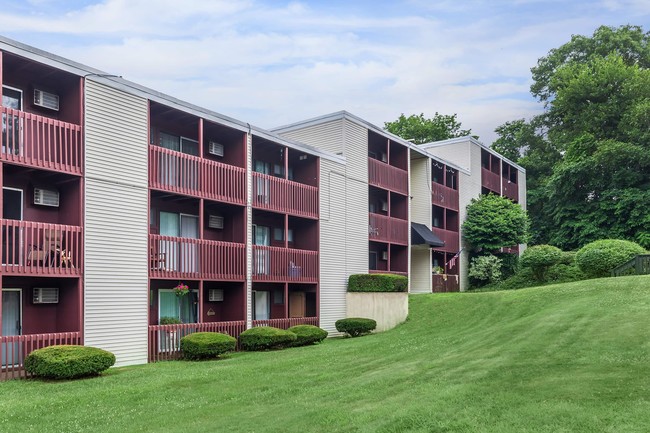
(46, 100)
(215, 148)
(46, 197)
(215, 222)
(46, 295)
(215, 295)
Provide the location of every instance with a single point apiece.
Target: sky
(271, 63)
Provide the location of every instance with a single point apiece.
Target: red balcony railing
(491, 181)
(377, 271)
(284, 195)
(445, 283)
(510, 190)
(284, 264)
(39, 141)
(176, 257)
(287, 323)
(190, 175)
(388, 229)
(31, 248)
(386, 176)
(444, 196)
(165, 340)
(14, 349)
(450, 238)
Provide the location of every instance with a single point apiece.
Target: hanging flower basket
(181, 290)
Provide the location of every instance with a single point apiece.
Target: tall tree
(420, 130)
(596, 138)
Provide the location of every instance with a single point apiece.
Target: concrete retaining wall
(388, 309)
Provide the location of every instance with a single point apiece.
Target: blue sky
(275, 62)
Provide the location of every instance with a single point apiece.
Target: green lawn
(566, 358)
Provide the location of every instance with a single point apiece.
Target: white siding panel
(333, 273)
(420, 179)
(326, 136)
(460, 154)
(469, 187)
(116, 199)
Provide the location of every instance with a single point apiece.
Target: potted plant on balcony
(181, 290)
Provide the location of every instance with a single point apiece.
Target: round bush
(266, 337)
(204, 345)
(307, 334)
(68, 362)
(598, 258)
(540, 258)
(355, 326)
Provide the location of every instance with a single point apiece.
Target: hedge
(540, 258)
(598, 258)
(355, 326)
(266, 337)
(204, 345)
(307, 334)
(68, 362)
(377, 283)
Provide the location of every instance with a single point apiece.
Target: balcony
(449, 237)
(490, 180)
(445, 283)
(165, 340)
(41, 249)
(180, 258)
(286, 196)
(386, 176)
(510, 190)
(387, 229)
(284, 264)
(38, 141)
(14, 349)
(185, 174)
(444, 196)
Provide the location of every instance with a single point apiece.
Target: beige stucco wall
(388, 309)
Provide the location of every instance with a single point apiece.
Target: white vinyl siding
(333, 260)
(116, 226)
(420, 187)
(327, 136)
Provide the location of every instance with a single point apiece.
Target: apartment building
(113, 194)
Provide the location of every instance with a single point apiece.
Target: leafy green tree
(494, 222)
(587, 158)
(421, 130)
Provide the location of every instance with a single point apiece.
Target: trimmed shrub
(68, 362)
(540, 258)
(568, 258)
(355, 326)
(485, 270)
(509, 264)
(377, 283)
(562, 273)
(265, 338)
(598, 258)
(169, 321)
(204, 345)
(307, 334)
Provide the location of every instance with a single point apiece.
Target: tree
(587, 157)
(494, 222)
(421, 130)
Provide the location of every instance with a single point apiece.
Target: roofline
(339, 115)
(473, 141)
(117, 82)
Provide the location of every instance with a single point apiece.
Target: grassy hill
(565, 358)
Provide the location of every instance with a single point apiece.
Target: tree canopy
(420, 130)
(587, 157)
(494, 222)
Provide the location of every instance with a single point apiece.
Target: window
(278, 234)
(180, 144)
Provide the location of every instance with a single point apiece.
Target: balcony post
(200, 137)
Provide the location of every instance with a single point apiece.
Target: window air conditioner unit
(215, 148)
(384, 255)
(215, 222)
(46, 100)
(46, 295)
(46, 197)
(215, 295)
(384, 206)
